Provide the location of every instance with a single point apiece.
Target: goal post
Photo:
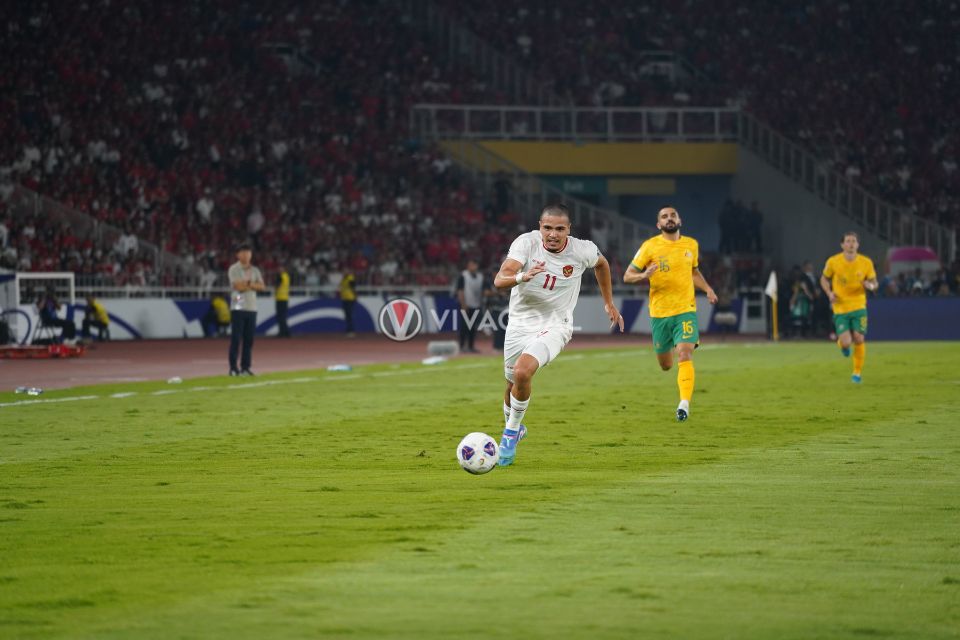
(21, 292)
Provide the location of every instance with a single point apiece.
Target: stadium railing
(607, 124)
(192, 291)
(890, 222)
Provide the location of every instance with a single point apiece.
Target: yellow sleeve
(827, 269)
(640, 260)
(101, 313)
(696, 254)
(871, 272)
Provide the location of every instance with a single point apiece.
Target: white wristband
(519, 277)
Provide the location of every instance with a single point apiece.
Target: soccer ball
(477, 453)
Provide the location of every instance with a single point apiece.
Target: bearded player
(671, 263)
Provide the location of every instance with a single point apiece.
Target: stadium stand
(196, 141)
(830, 75)
(287, 123)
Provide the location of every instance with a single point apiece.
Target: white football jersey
(551, 295)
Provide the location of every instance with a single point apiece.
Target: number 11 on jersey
(550, 282)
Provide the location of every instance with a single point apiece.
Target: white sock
(506, 412)
(685, 405)
(517, 409)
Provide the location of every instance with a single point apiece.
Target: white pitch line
(20, 403)
(266, 383)
(249, 385)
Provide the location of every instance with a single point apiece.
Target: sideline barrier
(890, 318)
(914, 319)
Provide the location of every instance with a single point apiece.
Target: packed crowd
(197, 138)
(943, 282)
(36, 242)
(869, 88)
(286, 124)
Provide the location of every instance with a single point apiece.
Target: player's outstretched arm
(510, 274)
(701, 283)
(633, 275)
(827, 289)
(601, 271)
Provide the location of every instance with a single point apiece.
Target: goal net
(22, 293)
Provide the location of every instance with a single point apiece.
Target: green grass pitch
(792, 504)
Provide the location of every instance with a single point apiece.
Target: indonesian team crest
(567, 271)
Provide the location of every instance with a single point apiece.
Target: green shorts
(853, 321)
(670, 331)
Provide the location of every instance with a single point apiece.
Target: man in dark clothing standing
(245, 281)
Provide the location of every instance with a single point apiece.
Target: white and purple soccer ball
(478, 453)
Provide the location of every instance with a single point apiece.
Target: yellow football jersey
(671, 287)
(846, 278)
(100, 313)
(221, 309)
(283, 287)
(347, 291)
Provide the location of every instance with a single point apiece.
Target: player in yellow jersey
(846, 278)
(671, 264)
(348, 298)
(282, 297)
(95, 315)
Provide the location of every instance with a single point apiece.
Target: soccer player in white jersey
(544, 269)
